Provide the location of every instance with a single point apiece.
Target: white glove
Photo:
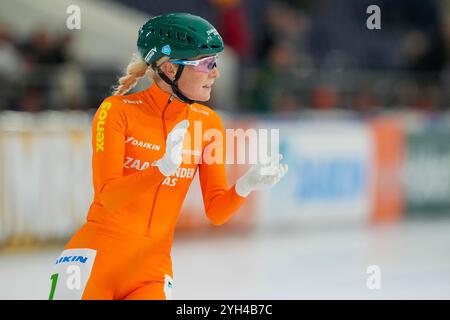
(261, 176)
(171, 160)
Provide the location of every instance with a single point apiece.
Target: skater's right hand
(171, 160)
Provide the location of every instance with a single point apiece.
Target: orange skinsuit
(132, 218)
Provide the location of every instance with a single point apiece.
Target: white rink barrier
(45, 175)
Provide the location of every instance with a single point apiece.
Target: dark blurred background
(291, 55)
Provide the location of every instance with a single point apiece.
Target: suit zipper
(159, 185)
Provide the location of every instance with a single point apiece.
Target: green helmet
(179, 36)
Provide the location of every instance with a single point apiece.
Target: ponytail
(135, 70)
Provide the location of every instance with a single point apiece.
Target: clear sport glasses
(206, 64)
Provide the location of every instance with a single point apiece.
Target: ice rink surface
(308, 263)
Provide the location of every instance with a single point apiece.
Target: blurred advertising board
(388, 142)
(427, 171)
(329, 177)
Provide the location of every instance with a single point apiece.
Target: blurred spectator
(38, 49)
(32, 100)
(287, 103)
(234, 27)
(284, 23)
(10, 63)
(419, 24)
(364, 101)
(69, 90)
(63, 47)
(428, 100)
(44, 48)
(53, 79)
(274, 79)
(406, 93)
(324, 97)
(11, 67)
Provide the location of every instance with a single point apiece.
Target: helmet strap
(174, 84)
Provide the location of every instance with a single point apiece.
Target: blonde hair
(136, 69)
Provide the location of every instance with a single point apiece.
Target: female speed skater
(139, 151)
